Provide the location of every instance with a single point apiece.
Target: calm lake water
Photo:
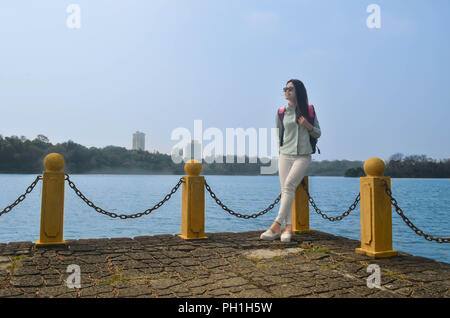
(426, 202)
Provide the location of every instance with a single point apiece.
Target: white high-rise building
(138, 141)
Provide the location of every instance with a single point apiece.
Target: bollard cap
(54, 162)
(374, 167)
(193, 167)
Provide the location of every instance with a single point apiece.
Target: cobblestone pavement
(313, 264)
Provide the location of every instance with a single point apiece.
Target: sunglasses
(290, 89)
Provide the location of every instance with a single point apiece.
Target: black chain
(123, 216)
(22, 197)
(337, 218)
(243, 216)
(409, 223)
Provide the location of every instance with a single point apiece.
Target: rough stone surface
(267, 253)
(226, 265)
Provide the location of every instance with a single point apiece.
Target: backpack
(312, 114)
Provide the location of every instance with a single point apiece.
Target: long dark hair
(302, 108)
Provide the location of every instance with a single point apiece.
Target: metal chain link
(243, 216)
(409, 223)
(333, 219)
(123, 216)
(22, 197)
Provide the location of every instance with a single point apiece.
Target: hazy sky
(154, 66)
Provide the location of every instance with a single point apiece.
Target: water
(424, 201)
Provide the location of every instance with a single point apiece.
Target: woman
(295, 154)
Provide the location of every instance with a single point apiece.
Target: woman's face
(289, 92)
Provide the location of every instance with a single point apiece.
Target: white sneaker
(269, 235)
(286, 236)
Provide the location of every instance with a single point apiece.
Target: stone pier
(314, 264)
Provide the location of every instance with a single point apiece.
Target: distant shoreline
(23, 156)
(211, 174)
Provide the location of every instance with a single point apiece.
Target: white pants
(291, 169)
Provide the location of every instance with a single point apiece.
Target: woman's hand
(302, 121)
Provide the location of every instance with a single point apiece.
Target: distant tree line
(332, 168)
(20, 155)
(417, 166)
(355, 172)
(413, 166)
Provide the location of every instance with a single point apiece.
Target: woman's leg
(284, 166)
(298, 169)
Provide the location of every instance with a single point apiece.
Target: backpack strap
(281, 112)
(281, 116)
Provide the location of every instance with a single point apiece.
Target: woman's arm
(315, 131)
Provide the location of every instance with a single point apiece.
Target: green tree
(354, 172)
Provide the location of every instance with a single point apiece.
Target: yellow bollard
(193, 202)
(376, 212)
(52, 208)
(300, 210)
